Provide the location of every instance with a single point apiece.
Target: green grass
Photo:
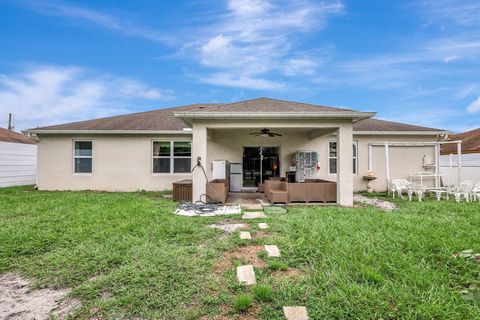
(243, 303)
(125, 255)
(263, 292)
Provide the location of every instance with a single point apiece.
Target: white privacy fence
(18, 164)
(470, 167)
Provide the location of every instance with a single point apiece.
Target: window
(355, 157)
(332, 157)
(172, 156)
(83, 156)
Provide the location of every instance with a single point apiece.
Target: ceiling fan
(265, 133)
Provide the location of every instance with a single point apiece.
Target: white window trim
(81, 157)
(171, 157)
(355, 142)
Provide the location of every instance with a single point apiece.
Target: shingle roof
(383, 125)
(270, 105)
(161, 119)
(470, 142)
(12, 136)
(164, 119)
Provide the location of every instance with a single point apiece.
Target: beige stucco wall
(123, 162)
(120, 163)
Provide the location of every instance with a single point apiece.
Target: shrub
(263, 293)
(243, 303)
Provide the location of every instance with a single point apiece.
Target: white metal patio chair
(399, 186)
(476, 192)
(466, 188)
(418, 190)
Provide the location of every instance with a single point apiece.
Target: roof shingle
(12, 136)
(470, 142)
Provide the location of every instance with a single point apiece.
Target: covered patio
(222, 136)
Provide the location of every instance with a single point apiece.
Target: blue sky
(411, 61)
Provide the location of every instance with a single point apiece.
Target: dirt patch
(248, 254)
(290, 273)
(20, 301)
(380, 204)
(261, 234)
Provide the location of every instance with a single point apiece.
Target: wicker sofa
(217, 190)
(312, 190)
(319, 190)
(276, 191)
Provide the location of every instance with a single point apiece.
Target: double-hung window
(172, 156)
(332, 157)
(83, 156)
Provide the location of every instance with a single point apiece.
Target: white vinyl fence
(470, 167)
(18, 164)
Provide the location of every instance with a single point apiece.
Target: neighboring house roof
(12, 136)
(170, 119)
(470, 142)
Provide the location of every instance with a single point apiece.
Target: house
(470, 156)
(18, 159)
(151, 150)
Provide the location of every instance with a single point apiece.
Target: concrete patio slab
(295, 313)
(246, 275)
(272, 251)
(254, 215)
(245, 235)
(263, 225)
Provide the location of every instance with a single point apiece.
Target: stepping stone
(295, 313)
(245, 235)
(263, 225)
(254, 215)
(251, 206)
(272, 251)
(228, 228)
(246, 275)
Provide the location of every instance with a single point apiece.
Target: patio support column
(199, 149)
(345, 165)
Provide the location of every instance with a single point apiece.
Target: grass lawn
(126, 255)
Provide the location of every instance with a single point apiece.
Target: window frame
(81, 157)
(172, 157)
(354, 157)
(330, 157)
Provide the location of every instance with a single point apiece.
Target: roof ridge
(288, 101)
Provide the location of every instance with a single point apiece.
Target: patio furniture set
(312, 190)
(466, 190)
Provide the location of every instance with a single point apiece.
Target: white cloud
(299, 66)
(256, 37)
(247, 82)
(120, 25)
(44, 95)
(450, 59)
(474, 106)
(460, 12)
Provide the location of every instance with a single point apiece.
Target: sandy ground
(380, 204)
(18, 300)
